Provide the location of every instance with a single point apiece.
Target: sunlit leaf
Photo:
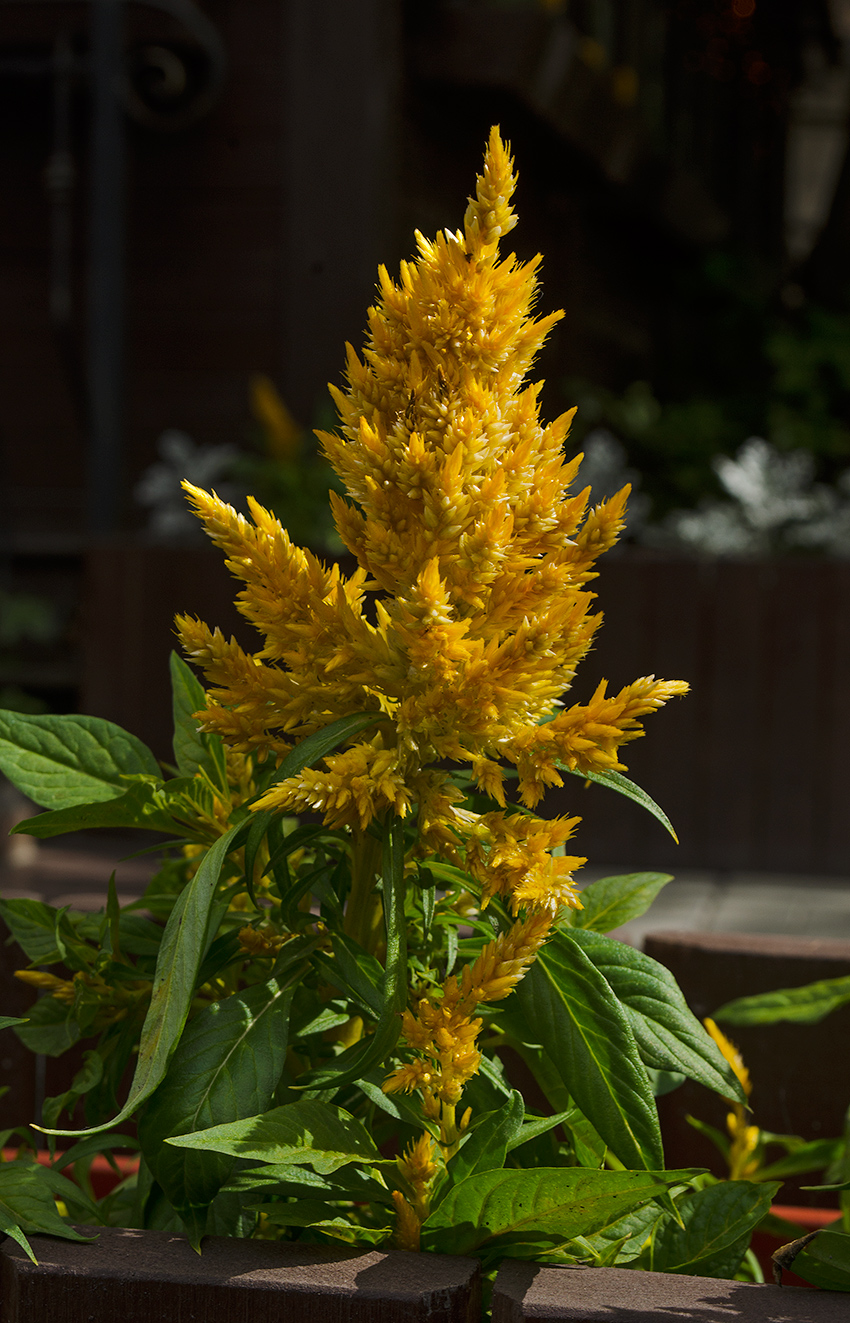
(62, 761)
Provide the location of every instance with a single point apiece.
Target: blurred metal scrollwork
(172, 82)
(170, 85)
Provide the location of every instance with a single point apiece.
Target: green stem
(364, 915)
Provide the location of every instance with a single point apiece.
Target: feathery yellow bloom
(458, 508)
(463, 625)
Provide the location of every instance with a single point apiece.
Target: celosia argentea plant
(364, 922)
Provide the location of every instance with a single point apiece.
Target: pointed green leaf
(586, 1034)
(812, 1156)
(180, 955)
(141, 806)
(538, 1126)
(50, 1028)
(62, 761)
(623, 1241)
(288, 1180)
(27, 1203)
(825, 1261)
(622, 784)
(718, 1223)
(323, 741)
(10, 1021)
(805, 1005)
(194, 750)
(612, 901)
(36, 927)
(668, 1034)
(323, 1217)
(226, 1067)
(527, 1213)
(487, 1146)
(354, 972)
(308, 1133)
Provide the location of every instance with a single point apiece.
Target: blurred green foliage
(735, 359)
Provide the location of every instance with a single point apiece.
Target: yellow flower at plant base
(745, 1138)
(475, 559)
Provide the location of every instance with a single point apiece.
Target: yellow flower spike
(407, 1224)
(731, 1053)
(60, 988)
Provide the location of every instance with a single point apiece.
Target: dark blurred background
(195, 196)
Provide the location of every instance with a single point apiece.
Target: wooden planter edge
(155, 1277)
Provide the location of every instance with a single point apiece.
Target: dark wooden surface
(154, 1277)
(750, 766)
(617, 1295)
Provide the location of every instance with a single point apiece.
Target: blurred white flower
(775, 507)
(159, 487)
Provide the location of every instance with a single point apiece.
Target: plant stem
(364, 912)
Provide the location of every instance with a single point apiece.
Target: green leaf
(27, 1204)
(62, 761)
(180, 954)
(538, 1126)
(622, 784)
(194, 750)
(226, 1067)
(805, 1005)
(358, 1060)
(91, 1147)
(625, 1240)
(324, 741)
(718, 1223)
(307, 1132)
(488, 1145)
(34, 927)
(288, 1180)
(586, 1034)
(50, 1029)
(825, 1261)
(668, 1034)
(527, 1213)
(354, 972)
(10, 1021)
(324, 1217)
(142, 806)
(812, 1156)
(612, 901)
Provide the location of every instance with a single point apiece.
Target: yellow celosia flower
(731, 1053)
(61, 988)
(459, 510)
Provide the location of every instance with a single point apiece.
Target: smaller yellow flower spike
(282, 434)
(731, 1053)
(742, 1158)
